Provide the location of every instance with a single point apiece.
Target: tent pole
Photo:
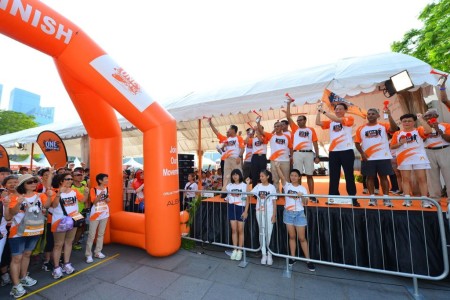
(199, 154)
(31, 156)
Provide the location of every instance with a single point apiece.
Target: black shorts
(376, 167)
(235, 212)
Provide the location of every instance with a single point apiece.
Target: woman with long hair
(64, 203)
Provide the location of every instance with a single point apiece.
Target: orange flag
(331, 99)
(4, 157)
(53, 148)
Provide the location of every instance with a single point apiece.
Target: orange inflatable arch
(97, 84)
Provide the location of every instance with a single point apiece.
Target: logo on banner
(126, 81)
(51, 145)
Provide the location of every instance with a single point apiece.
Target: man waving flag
(331, 99)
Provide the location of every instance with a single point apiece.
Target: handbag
(78, 219)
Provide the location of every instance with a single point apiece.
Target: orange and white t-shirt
(374, 141)
(435, 140)
(303, 138)
(280, 146)
(233, 145)
(99, 210)
(294, 203)
(259, 145)
(413, 151)
(36, 200)
(340, 134)
(248, 150)
(70, 202)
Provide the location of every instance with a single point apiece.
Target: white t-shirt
(294, 203)
(70, 201)
(192, 187)
(100, 210)
(237, 199)
(262, 191)
(374, 141)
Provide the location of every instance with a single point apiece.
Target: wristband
(442, 88)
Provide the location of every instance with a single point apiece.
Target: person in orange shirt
(411, 155)
(281, 151)
(437, 147)
(23, 239)
(443, 94)
(98, 218)
(234, 151)
(372, 142)
(341, 148)
(304, 140)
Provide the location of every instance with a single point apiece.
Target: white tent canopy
(133, 163)
(357, 79)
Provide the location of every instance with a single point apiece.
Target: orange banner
(4, 157)
(331, 99)
(53, 148)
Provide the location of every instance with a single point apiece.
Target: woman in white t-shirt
(237, 210)
(294, 214)
(266, 213)
(69, 197)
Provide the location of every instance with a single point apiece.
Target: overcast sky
(174, 47)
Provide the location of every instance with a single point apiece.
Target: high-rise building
(29, 103)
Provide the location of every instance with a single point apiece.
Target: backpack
(33, 222)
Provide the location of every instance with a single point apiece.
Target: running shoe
(377, 191)
(388, 203)
(313, 199)
(238, 255)
(47, 266)
(407, 203)
(89, 259)
(77, 247)
(426, 204)
(291, 263)
(68, 269)
(395, 192)
(372, 202)
(233, 255)
(365, 191)
(311, 266)
(264, 260)
(17, 291)
(100, 255)
(269, 259)
(6, 279)
(28, 281)
(57, 273)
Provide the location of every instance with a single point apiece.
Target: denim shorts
(21, 244)
(296, 218)
(235, 212)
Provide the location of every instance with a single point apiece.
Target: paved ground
(207, 273)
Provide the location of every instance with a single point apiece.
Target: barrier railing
(407, 242)
(217, 231)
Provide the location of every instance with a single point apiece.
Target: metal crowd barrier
(371, 240)
(218, 230)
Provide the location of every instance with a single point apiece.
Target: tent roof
(234, 105)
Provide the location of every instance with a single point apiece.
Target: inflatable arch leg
(96, 84)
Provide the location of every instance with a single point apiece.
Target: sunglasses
(68, 179)
(31, 181)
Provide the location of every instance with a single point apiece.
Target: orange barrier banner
(331, 99)
(4, 157)
(53, 148)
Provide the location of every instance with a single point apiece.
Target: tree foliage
(431, 43)
(12, 121)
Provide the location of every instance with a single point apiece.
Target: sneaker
(426, 204)
(238, 255)
(77, 247)
(233, 255)
(395, 192)
(313, 199)
(68, 269)
(372, 202)
(311, 266)
(269, 259)
(365, 191)
(28, 281)
(407, 203)
(355, 203)
(100, 255)
(388, 203)
(17, 291)
(377, 191)
(57, 273)
(6, 279)
(264, 259)
(291, 263)
(89, 259)
(47, 266)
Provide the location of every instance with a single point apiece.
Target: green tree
(431, 43)
(12, 121)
